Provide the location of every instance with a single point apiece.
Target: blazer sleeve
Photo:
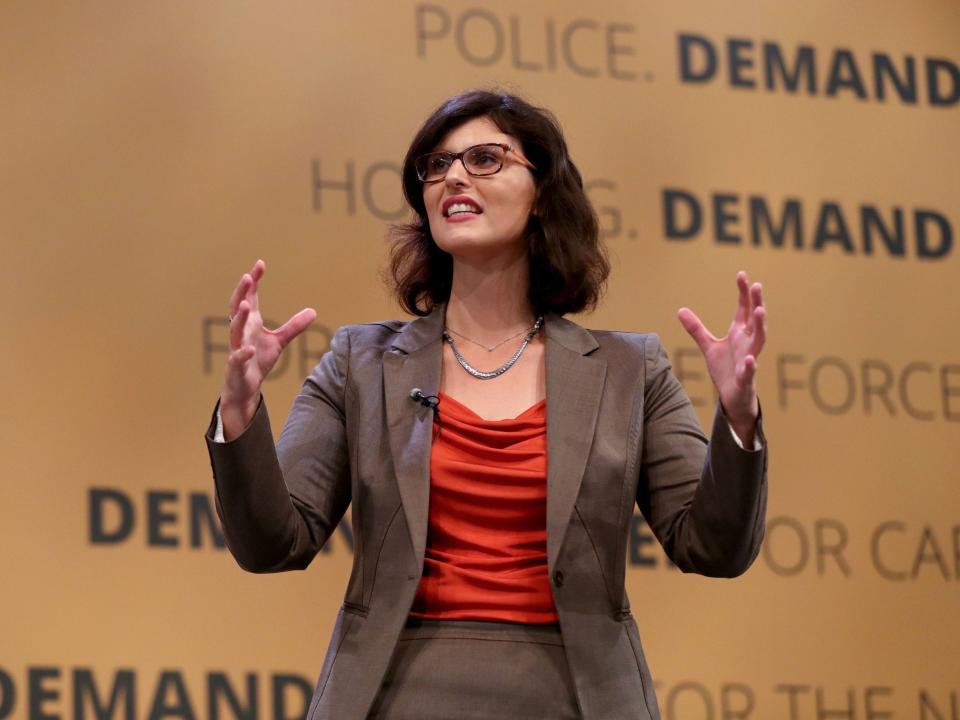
(278, 505)
(705, 502)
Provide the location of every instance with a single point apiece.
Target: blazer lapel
(414, 361)
(574, 386)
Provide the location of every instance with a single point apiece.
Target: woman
(491, 449)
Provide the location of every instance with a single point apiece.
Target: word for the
(694, 700)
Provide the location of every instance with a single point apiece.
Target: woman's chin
(473, 247)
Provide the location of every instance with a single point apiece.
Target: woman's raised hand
(254, 351)
(732, 360)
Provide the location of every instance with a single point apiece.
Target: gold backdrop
(151, 151)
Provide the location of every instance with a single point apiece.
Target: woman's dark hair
(568, 263)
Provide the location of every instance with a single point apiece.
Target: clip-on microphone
(428, 401)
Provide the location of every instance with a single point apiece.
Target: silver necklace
(487, 375)
(489, 348)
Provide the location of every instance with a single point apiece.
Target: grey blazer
(620, 430)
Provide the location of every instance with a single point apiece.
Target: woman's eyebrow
(448, 150)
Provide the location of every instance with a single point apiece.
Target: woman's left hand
(732, 359)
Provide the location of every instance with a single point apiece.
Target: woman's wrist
(745, 432)
(236, 416)
(743, 423)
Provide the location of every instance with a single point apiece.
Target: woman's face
(499, 204)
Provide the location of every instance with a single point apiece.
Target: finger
(759, 337)
(744, 307)
(241, 356)
(256, 274)
(747, 371)
(238, 324)
(295, 325)
(756, 300)
(691, 323)
(239, 292)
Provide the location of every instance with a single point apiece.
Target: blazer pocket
(340, 630)
(355, 609)
(646, 679)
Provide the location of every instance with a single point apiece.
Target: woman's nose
(457, 174)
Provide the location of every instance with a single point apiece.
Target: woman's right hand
(254, 350)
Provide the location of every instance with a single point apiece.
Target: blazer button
(558, 578)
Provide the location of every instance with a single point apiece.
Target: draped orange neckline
(486, 553)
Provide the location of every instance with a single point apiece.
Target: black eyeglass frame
(453, 157)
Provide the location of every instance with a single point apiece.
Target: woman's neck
(488, 303)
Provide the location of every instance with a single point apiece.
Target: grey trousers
(470, 670)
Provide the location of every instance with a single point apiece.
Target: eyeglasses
(478, 160)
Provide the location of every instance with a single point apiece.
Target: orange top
(486, 554)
